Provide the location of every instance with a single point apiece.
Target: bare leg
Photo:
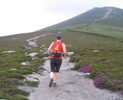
(55, 78)
(51, 80)
(52, 74)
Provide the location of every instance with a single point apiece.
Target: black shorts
(55, 64)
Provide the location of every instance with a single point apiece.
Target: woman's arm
(49, 49)
(64, 50)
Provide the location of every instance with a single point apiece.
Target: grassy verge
(11, 72)
(103, 53)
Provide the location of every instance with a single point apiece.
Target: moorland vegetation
(97, 47)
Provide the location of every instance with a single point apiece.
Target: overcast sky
(20, 16)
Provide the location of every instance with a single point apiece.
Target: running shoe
(51, 82)
(54, 84)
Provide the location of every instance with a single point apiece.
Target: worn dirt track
(72, 85)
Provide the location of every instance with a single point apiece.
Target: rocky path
(72, 85)
(106, 15)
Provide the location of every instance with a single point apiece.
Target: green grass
(98, 44)
(11, 72)
(96, 29)
(107, 58)
(111, 31)
(33, 84)
(13, 94)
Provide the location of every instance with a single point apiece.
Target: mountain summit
(99, 15)
(104, 21)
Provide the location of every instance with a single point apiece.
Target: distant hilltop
(99, 15)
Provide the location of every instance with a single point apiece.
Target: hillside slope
(105, 15)
(102, 21)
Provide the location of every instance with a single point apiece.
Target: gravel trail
(72, 85)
